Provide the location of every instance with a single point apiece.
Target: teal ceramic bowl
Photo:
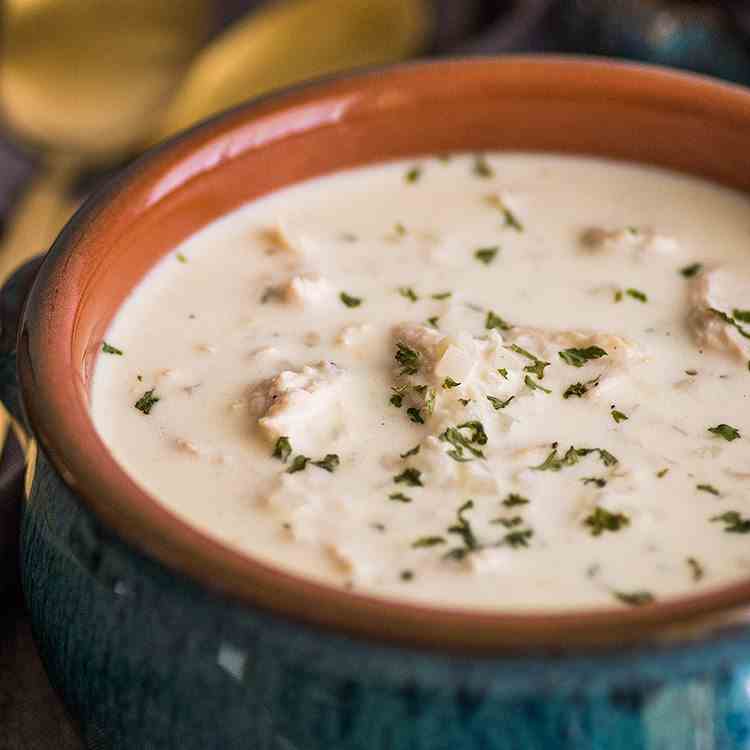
(158, 636)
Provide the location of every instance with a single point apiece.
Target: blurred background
(87, 85)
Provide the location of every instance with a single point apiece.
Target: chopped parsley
(270, 293)
(442, 295)
(299, 463)
(692, 373)
(636, 294)
(662, 473)
(692, 270)
(399, 497)
(733, 522)
(413, 174)
(742, 315)
(433, 321)
(726, 431)
(696, 569)
(537, 365)
(407, 358)
(580, 389)
(329, 463)
(461, 442)
(146, 402)
(553, 462)
(513, 499)
(462, 528)
(407, 575)
(579, 357)
(731, 321)
(509, 218)
(109, 349)
(495, 321)
(602, 520)
(408, 292)
(283, 449)
(708, 488)
(503, 372)
(499, 403)
(531, 383)
(482, 167)
(486, 254)
(410, 477)
(450, 383)
(518, 538)
(509, 523)
(415, 415)
(350, 301)
(634, 598)
(598, 481)
(411, 452)
(618, 416)
(618, 295)
(428, 541)
(397, 399)
(399, 229)
(181, 257)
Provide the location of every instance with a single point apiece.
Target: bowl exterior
(144, 658)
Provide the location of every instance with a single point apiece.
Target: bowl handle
(13, 296)
(12, 464)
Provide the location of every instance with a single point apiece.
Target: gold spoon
(82, 83)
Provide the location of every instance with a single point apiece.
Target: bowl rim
(54, 400)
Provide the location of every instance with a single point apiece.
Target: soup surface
(505, 381)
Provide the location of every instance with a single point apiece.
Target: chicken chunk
(716, 317)
(305, 289)
(299, 404)
(639, 242)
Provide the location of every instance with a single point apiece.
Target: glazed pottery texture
(158, 637)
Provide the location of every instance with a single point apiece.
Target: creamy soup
(505, 381)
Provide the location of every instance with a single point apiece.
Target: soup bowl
(159, 636)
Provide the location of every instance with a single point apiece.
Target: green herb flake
(513, 499)
(147, 401)
(726, 431)
(696, 569)
(495, 321)
(282, 450)
(329, 463)
(109, 349)
(461, 442)
(462, 528)
(442, 295)
(618, 295)
(537, 365)
(692, 270)
(399, 229)
(662, 473)
(498, 403)
(428, 541)
(509, 523)
(408, 359)
(350, 301)
(481, 167)
(399, 497)
(410, 477)
(709, 488)
(407, 575)
(413, 174)
(731, 321)
(692, 373)
(572, 456)
(733, 522)
(618, 416)
(519, 538)
(598, 481)
(742, 315)
(634, 598)
(433, 321)
(579, 357)
(636, 294)
(397, 399)
(181, 258)
(531, 383)
(580, 389)
(486, 254)
(408, 292)
(450, 383)
(411, 452)
(602, 520)
(299, 463)
(415, 415)
(503, 372)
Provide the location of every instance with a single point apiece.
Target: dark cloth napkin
(709, 37)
